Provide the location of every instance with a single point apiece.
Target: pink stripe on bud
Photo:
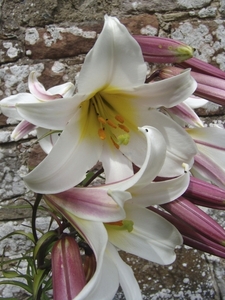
(189, 213)
(205, 194)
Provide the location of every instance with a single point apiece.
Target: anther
(117, 223)
(115, 144)
(124, 128)
(119, 118)
(101, 134)
(110, 123)
(102, 120)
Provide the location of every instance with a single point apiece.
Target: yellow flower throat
(110, 124)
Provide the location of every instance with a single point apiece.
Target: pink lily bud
(202, 67)
(163, 50)
(205, 194)
(68, 275)
(208, 87)
(191, 237)
(189, 213)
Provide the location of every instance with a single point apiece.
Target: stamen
(102, 120)
(124, 127)
(119, 118)
(115, 144)
(118, 223)
(186, 167)
(121, 225)
(101, 134)
(110, 123)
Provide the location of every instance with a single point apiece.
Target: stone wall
(52, 37)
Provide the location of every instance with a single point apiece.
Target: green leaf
(29, 235)
(38, 279)
(10, 274)
(6, 262)
(47, 236)
(17, 283)
(11, 298)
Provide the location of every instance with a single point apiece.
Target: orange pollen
(110, 123)
(115, 144)
(101, 133)
(119, 118)
(102, 120)
(124, 128)
(117, 223)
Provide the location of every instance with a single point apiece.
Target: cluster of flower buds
(198, 229)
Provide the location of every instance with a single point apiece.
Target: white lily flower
(209, 163)
(105, 203)
(130, 227)
(100, 122)
(37, 94)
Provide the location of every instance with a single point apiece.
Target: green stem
(100, 171)
(34, 215)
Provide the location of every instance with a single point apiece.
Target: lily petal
(208, 169)
(105, 286)
(160, 192)
(184, 112)
(174, 135)
(156, 147)
(195, 101)
(22, 129)
(116, 166)
(8, 104)
(112, 60)
(168, 92)
(152, 238)
(38, 90)
(47, 139)
(52, 115)
(91, 204)
(212, 137)
(66, 89)
(127, 280)
(55, 175)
